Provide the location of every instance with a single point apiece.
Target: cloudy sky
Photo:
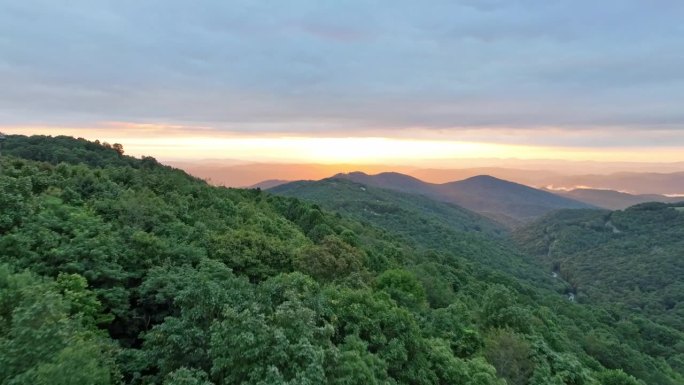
(574, 78)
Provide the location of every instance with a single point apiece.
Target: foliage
(121, 270)
(435, 227)
(630, 263)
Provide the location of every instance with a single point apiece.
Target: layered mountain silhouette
(614, 200)
(507, 202)
(631, 182)
(269, 183)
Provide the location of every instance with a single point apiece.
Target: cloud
(316, 66)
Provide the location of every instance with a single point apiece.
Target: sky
(350, 81)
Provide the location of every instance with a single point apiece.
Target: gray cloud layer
(354, 64)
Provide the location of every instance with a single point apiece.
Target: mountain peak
(385, 179)
(350, 174)
(504, 200)
(484, 178)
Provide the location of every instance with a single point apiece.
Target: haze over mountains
(507, 202)
(632, 178)
(614, 200)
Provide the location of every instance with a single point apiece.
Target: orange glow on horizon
(178, 142)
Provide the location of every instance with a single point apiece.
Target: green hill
(633, 257)
(495, 196)
(445, 227)
(425, 223)
(631, 260)
(506, 202)
(369, 202)
(119, 270)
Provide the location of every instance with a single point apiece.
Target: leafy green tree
(41, 342)
(500, 309)
(511, 355)
(250, 347)
(82, 301)
(118, 147)
(185, 376)
(403, 287)
(352, 364)
(617, 377)
(14, 206)
(255, 254)
(453, 324)
(441, 282)
(193, 300)
(331, 259)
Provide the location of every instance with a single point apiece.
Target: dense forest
(122, 270)
(443, 227)
(424, 223)
(631, 260)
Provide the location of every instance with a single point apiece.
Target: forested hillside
(633, 257)
(420, 221)
(118, 270)
(506, 202)
(630, 260)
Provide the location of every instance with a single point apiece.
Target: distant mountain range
(506, 202)
(614, 200)
(631, 182)
(270, 183)
(234, 174)
(642, 179)
(602, 198)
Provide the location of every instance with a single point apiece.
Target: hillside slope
(507, 202)
(632, 260)
(345, 195)
(419, 219)
(487, 194)
(425, 223)
(270, 183)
